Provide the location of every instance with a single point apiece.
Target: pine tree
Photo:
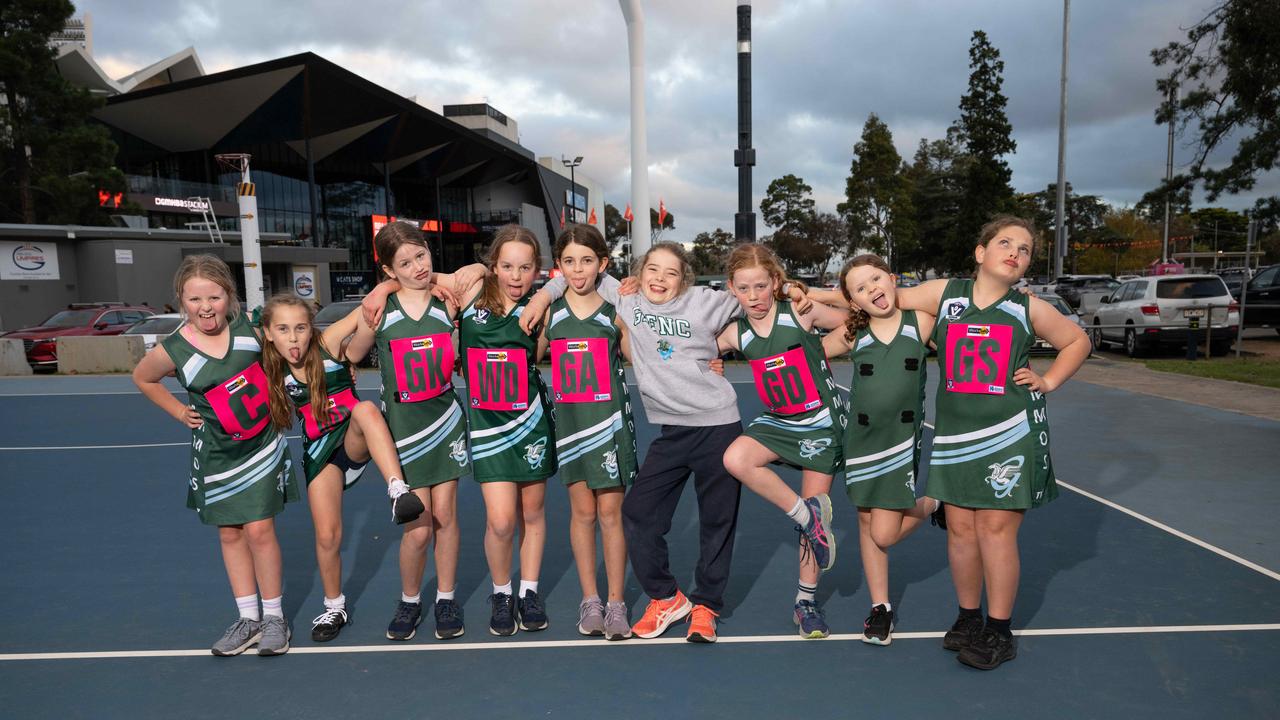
(986, 133)
(877, 204)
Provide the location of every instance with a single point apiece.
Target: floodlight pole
(1168, 176)
(744, 157)
(633, 14)
(1060, 227)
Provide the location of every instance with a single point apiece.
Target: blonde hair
(273, 364)
(490, 294)
(858, 318)
(687, 278)
(207, 267)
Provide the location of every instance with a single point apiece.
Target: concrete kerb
(13, 358)
(99, 354)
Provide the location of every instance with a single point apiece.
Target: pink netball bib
(785, 384)
(580, 370)
(978, 358)
(241, 403)
(338, 408)
(498, 379)
(423, 366)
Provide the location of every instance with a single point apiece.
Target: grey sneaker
(591, 617)
(616, 624)
(242, 634)
(275, 636)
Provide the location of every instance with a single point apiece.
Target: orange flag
(626, 215)
(561, 217)
(591, 219)
(662, 213)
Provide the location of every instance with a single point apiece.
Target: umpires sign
(28, 261)
(304, 281)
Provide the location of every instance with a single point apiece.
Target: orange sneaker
(659, 615)
(702, 625)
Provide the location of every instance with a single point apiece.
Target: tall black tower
(744, 157)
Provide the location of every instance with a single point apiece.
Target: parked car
(1084, 292)
(98, 318)
(1061, 306)
(334, 312)
(1235, 278)
(1138, 313)
(155, 328)
(1262, 304)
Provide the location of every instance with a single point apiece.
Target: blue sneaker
(533, 616)
(448, 620)
(811, 621)
(404, 625)
(817, 533)
(502, 619)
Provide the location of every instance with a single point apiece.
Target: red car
(102, 318)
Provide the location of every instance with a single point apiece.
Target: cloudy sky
(559, 67)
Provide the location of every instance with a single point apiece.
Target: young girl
(672, 335)
(308, 371)
(416, 361)
(241, 475)
(804, 417)
(596, 441)
(882, 442)
(990, 459)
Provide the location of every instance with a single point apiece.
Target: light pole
(573, 185)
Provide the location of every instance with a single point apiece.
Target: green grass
(1258, 371)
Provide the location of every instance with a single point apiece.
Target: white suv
(1155, 311)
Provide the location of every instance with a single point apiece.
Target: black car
(1261, 299)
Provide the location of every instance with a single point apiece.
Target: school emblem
(534, 452)
(810, 448)
(458, 450)
(482, 316)
(1004, 476)
(610, 463)
(956, 307)
(665, 350)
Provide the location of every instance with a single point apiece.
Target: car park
(1157, 311)
(1235, 278)
(1262, 299)
(1042, 345)
(334, 312)
(1084, 291)
(155, 328)
(95, 318)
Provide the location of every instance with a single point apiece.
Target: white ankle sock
(248, 606)
(887, 606)
(338, 603)
(273, 607)
(528, 585)
(805, 592)
(800, 513)
(442, 595)
(502, 589)
(415, 599)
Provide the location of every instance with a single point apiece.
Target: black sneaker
(939, 516)
(406, 508)
(405, 623)
(328, 624)
(878, 627)
(533, 616)
(989, 650)
(448, 620)
(963, 633)
(502, 619)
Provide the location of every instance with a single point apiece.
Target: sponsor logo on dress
(775, 363)
(610, 463)
(535, 452)
(422, 343)
(576, 346)
(810, 448)
(812, 404)
(237, 384)
(978, 331)
(496, 356)
(601, 396)
(458, 450)
(1005, 475)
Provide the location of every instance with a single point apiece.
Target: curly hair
(858, 318)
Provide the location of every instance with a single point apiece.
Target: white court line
(1176, 533)
(184, 392)
(112, 447)
(544, 644)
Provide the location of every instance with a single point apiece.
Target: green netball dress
(596, 435)
(240, 465)
(321, 440)
(991, 444)
(804, 416)
(886, 410)
(416, 359)
(511, 430)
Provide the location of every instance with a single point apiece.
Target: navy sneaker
(533, 616)
(817, 533)
(502, 620)
(877, 629)
(989, 651)
(405, 623)
(810, 619)
(448, 620)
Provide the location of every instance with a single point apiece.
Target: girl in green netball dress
(240, 473)
(412, 328)
(886, 414)
(804, 416)
(990, 459)
(596, 442)
(308, 374)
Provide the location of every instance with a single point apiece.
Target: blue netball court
(1150, 588)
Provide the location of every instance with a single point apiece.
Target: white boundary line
(544, 644)
(1176, 533)
(110, 447)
